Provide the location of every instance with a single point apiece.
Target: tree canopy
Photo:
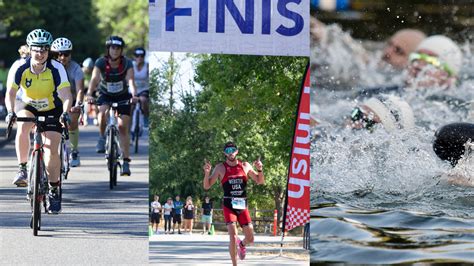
(86, 23)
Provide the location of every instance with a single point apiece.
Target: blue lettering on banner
(297, 18)
(245, 25)
(266, 16)
(172, 11)
(203, 15)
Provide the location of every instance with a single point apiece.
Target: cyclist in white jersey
(140, 67)
(62, 48)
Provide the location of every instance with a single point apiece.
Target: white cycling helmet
(61, 45)
(88, 63)
(39, 37)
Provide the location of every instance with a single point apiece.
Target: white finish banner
(257, 27)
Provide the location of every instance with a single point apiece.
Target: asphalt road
(200, 249)
(97, 225)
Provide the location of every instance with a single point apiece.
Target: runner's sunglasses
(230, 150)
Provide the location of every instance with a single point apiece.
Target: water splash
(379, 169)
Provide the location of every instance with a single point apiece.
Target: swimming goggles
(433, 60)
(230, 150)
(357, 115)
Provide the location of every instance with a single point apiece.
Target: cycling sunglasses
(139, 55)
(357, 115)
(432, 60)
(230, 150)
(66, 54)
(39, 49)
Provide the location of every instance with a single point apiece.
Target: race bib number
(39, 104)
(141, 83)
(114, 87)
(238, 203)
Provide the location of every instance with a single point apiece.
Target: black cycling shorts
(107, 99)
(145, 94)
(57, 112)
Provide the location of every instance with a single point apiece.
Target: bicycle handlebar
(113, 104)
(37, 120)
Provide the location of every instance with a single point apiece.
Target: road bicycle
(64, 154)
(112, 143)
(37, 178)
(137, 124)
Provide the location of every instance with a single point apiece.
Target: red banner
(298, 188)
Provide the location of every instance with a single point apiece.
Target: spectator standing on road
(155, 214)
(189, 215)
(177, 212)
(206, 215)
(167, 211)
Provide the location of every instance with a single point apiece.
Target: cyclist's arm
(130, 77)
(79, 86)
(63, 87)
(95, 79)
(66, 97)
(209, 180)
(10, 99)
(256, 176)
(13, 81)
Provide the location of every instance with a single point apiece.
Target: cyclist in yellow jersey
(46, 92)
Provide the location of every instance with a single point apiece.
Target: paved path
(200, 249)
(97, 226)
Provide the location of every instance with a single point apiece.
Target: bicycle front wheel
(112, 159)
(37, 196)
(136, 132)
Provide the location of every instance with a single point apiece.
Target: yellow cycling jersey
(40, 91)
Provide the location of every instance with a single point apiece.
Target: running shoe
(21, 178)
(125, 169)
(74, 160)
(241, 250)
(100, 147)
(53, 202)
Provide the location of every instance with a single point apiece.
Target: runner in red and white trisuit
(233, 175)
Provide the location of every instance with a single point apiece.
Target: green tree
(74, 20)
(128, 19)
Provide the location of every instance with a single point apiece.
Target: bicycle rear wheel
(37, 197)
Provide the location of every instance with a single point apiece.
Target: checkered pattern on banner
(296, 217)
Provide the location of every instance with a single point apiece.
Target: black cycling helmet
(115, 40)
(139, 51)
